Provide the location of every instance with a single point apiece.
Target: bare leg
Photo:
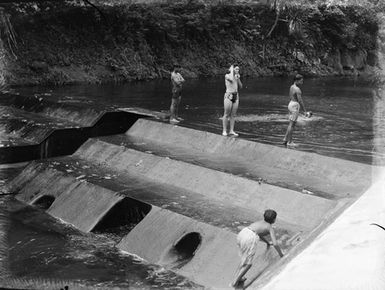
(224, 124)
(242, 270)
(289, 132)
(173, 108)
(226, 114)
(233, 113)
(177, 106)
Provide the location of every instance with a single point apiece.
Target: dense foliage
(70, 43)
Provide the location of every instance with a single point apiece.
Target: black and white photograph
(192, 144)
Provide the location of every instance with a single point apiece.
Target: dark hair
(298, 77)
(234, 66)
(176, 65)
(270, 216)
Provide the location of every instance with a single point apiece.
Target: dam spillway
(33, 127)
(187, 192)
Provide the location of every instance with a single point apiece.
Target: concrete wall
(34, 128)
(214, 262)
(37, 179)
(348, 255)
(331, 175)
(293, 207)
(84, 204)
(80, 203)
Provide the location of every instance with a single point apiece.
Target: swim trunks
(246, 241)
(176, 92)
(232, 96)
(293, 110)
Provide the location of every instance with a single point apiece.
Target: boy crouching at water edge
(247, 241)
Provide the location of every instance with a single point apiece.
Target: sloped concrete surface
(336, 177)
(84, 205)
(28, 127)
(54, 177)
(83, 200)
(76, 201)
(33, 127)
(215, 260)
(188, 197)
(349, 254)
(293, 207)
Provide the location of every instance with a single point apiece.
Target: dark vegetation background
(72, 42)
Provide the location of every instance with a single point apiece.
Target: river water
(343, 108)
(40, 252)
(37, 250)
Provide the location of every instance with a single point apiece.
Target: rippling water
(342, 124)
(40, 252)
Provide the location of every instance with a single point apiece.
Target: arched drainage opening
(44, 202)
(122, 218)
(183, 251)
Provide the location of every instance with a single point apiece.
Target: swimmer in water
(294, 106)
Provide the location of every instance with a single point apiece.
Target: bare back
(261, 228)
(295, 93)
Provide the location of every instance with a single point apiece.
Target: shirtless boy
(294, 106)
(176, 82)
(247, 240)
(231, 99)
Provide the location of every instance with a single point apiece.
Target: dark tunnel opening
(183, 251)
(44, 202)
(122, 218)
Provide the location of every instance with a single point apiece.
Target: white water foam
(280, 118)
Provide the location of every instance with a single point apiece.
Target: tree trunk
(277, 10)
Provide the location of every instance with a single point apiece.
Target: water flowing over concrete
(34, 128)
(187, 199)
(330, 175)
(293, 206)
(349, 254)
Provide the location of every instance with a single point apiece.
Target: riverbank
(62, 44)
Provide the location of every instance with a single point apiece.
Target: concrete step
(53, 177)
(27, 126)
(33, 128)
(84, 210)
(213, 262)
(320, 175)
(293, 207)
(85, 200)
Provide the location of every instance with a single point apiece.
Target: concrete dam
(179, 195)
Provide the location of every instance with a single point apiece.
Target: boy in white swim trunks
(294, 106)
(247, 240)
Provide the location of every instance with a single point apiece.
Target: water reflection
(342, 124)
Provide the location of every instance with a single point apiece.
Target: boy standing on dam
(176, 82)
(247, 240)
(294, 106)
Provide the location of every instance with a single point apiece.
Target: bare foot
(239, 284)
